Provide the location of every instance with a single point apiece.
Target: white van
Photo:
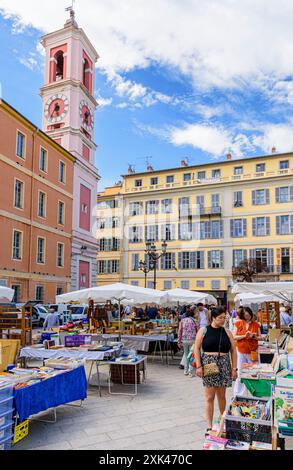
(75, 312)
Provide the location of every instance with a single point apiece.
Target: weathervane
(72, 12)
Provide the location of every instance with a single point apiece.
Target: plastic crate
(77, 340)
(6, 392)
(246, 429)
(6, 431)
(125, 371)
(6, 417)
(6, 405)
(6, 444)
(21, 431)
(46, 337)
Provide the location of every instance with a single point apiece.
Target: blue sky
(175, 79)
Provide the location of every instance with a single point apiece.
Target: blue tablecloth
(63, 388)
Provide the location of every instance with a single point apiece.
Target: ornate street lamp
(145, 268)
(154, 256)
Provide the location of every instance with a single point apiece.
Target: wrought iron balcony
(208, 211)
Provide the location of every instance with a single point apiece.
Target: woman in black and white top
(215, 344)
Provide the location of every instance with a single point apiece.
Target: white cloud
(215, 42)
(275, 135)
(103, 102)
(214, 140)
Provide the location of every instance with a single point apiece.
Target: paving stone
(168, 413)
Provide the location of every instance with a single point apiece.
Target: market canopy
(282, 291)
(6, 294)
(122, 293)
(187, 297)
(248, 298)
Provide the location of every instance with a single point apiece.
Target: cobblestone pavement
(167, 414)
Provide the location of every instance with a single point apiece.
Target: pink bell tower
(68, 117)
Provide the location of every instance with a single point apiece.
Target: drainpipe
(32, 209)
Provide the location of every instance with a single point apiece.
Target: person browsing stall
(203, 315)
(52, 320)
(247, 335)
(216, 360)
(186, 335)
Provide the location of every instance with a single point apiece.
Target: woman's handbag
(212, 369)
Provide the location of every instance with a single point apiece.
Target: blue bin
(46, 337)
(6, 431)
(6, 405)
(6, 417)
(6, 392)
(6, 443)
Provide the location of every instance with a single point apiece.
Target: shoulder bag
(212, 369)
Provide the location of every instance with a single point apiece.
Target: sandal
(208, 432)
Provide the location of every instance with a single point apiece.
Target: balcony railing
(214, 210)
(208, 181)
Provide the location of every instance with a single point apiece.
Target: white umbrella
(120, 293)
(248, 298)
(187, 297)
(6, 294)
(282, 291)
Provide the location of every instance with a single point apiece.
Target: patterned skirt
(224, 378)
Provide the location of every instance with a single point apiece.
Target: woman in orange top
(247, 335)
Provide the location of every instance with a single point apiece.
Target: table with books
(24, 393)
(125, 370)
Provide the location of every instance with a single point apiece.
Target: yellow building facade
(212, 217)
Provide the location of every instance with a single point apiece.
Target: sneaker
(181, 367)
(186, 372)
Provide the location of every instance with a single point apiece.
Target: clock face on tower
(86, 115)
(56, 108)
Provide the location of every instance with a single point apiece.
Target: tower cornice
(67, 33)
(66, 83)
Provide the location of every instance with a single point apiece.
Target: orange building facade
(36, 200)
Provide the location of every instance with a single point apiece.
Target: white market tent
(120, 293)
(187, 297)
(6, 294)
(281, 291)
(248, 298)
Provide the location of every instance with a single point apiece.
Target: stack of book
(221, 443)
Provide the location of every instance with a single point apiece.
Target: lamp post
(145, 268)
(154, 256)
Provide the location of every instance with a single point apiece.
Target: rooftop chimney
(183, 163)
(130, 170)
(150, 168)
(274, 150)
(229, 156)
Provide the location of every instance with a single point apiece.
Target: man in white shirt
(285, 318)
(203, 315)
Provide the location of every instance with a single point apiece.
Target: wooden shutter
(244, 227)
(270, 257)
(291, 193)
(252, 253)
(254, 227)
(209, 259)
(192, 260)
(268, 221)
(173, 260)
(277, 194)
(291, 224)
(221, 229)
(163, 232)
(201, 259)
(221, 259)
(267, 196)
(253, 198)
(278, 225)
(231, 228)
(180, 259)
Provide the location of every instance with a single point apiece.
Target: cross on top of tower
(71, 21)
